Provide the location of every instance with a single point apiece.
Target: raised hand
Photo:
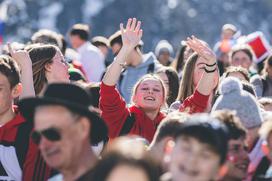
(132, 35)
(201, 48)
(21, 57)
(25, 63)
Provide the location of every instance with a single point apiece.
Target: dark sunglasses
(51, 134)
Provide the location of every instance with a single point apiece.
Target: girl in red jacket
(143, 117)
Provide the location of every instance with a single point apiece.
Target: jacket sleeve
(35, 168)
(196, 103)
(113, 107)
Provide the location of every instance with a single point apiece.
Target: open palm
(132, 35)
(201, 48)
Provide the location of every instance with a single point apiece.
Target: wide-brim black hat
(72, 97)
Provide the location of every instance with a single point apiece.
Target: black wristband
(208, 65)
(210, 71)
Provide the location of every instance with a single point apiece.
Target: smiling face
(192, 160)
(63, 153)
(238, 159)
(240, 58)
(149, 94)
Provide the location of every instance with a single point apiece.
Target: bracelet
(123, 65)
(208, 65)
(210, 71)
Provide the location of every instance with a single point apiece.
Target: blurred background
(173, 20)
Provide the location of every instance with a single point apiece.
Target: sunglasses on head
(51, 134)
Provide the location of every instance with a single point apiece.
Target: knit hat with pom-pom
(234, 98)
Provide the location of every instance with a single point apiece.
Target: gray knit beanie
(234, 98)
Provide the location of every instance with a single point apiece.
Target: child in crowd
(20, 158)
(195, 156)
(237, 157)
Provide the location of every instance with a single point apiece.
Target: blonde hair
(148, 76)
(233, 69)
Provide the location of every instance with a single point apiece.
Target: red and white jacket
(20, 158)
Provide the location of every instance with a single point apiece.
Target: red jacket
(21, 157)
(115, 113)
(196, 103)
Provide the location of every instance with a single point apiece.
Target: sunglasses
(51, 134)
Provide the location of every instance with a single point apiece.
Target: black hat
(72, 97)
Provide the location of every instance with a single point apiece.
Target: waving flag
(259, 44)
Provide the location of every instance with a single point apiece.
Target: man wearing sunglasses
(64, 129)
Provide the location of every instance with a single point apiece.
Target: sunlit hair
(187, 84)
(45, 36)
(81, 30)
(235, 128)
(234, 69)
(41, 55)
(168, 126)
(143, 78)
(119, 152)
